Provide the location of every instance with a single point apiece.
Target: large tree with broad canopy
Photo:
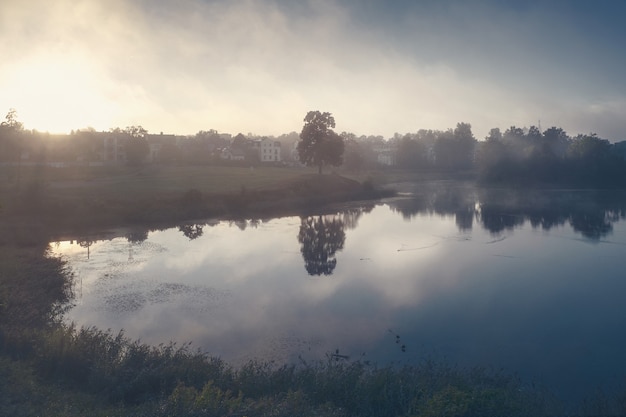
(319, 145)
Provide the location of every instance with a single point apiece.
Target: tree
(492, 160)
(589, 147)
(353, 158)
(465, 143)
(515, 138)
(410, 153)
(454, 149)
(558, 141)
(211, 139)
(137, 147)
(11, 122)
(494, 135)
(534, 136)
(319, 145)
(10, 131)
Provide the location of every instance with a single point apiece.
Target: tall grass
(135, 376)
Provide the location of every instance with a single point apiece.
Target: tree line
(520, 155)
(551, 156)
(525, 156)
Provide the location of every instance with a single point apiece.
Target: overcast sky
(259, 65)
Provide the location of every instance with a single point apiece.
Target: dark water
(530, 281)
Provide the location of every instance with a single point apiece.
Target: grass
(150, 180)
(52, 200)
(106, 373)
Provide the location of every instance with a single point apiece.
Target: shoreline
(33, 218)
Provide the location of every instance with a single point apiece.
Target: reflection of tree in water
(191, 231)
(546, 218)
(464, 218)
(497, 220)
(410, 207)
(453, 201)
(86, 243)
(590, 213)
(592, 225)
(137, 235)
(351, 216)
(320, 238)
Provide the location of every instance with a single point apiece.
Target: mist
(244, 66)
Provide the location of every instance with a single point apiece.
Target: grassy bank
(48, 200)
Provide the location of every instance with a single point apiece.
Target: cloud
(259, 66)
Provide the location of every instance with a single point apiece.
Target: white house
(385, 155)
(114, 150)
(269, 150)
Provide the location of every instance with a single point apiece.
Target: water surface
(530, 281)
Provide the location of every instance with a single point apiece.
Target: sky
(258, 66)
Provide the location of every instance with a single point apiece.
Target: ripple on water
(188, 296)
(131, 296)
(124, 302)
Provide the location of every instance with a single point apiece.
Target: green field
(150, 181)
(36, 200)
(146, 181)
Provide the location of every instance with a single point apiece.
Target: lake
(531, 281)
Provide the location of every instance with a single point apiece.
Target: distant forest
(523, 156)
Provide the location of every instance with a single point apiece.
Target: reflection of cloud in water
(198, 298)
(134, 295)
(187, 261)
(115, 257)
(286, 348)
(149, 247)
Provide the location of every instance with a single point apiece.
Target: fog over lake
(529, 281)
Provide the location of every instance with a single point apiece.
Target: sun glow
(57, 94)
